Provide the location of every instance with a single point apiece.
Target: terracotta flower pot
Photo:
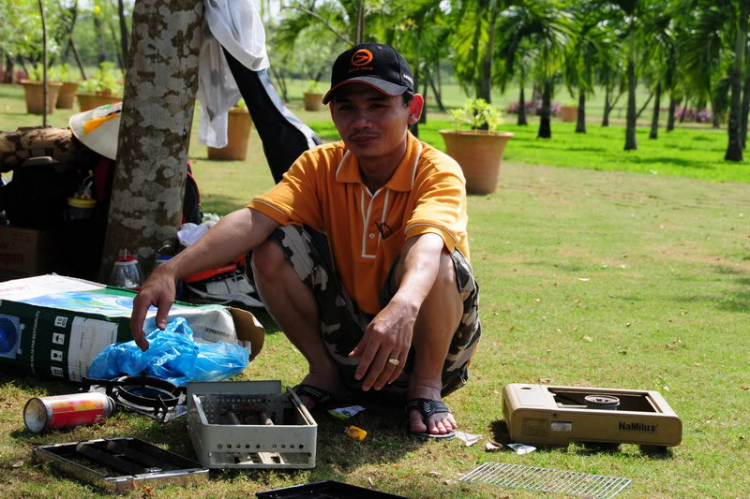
(67, 96)
(313, 101)
(90, 101)
(238, 131)
(479, 154)
(569, 113)
(34, 92)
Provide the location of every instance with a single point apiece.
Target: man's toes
(415, 422)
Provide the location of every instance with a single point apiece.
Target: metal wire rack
(517, 476)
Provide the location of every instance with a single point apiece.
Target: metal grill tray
(516, 476)
(100, 461)
(221, 440)
(328, 489)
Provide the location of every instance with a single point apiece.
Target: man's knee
(267, 260)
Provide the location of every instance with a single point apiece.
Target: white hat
(98, 128)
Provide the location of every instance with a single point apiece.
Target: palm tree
(473, 43)
(542, 28)
(591, 41)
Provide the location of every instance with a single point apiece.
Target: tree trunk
(607, 109)
(684, 110)
(438, 98)
(630, 143)
(644, 106)
(545, 131)
(673, 105)
(745, 110)
(77, 57)
(44, 64)
(522, 108)
(123, 29)
(734, 145)
(655, 119)
(485, 85)
(157, 113)
(581, 118)
(9, 69)
(101, 55)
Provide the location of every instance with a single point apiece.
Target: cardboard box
(55, 326)
(26, 252)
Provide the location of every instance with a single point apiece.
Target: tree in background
(590, 42)
(540, 29)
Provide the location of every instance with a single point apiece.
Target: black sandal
(426, 408)
(322, 398)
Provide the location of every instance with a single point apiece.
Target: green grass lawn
(623, 279)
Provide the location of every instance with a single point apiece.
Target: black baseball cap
(377, 65)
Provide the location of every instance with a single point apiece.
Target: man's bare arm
(389, 335)
(235, 234)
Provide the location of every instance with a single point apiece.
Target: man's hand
(159, 291)
(387, 337)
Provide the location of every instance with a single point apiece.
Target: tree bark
(522, 108)
(655, 119)
(101, 56)
(630, 143)
(644, 106)
(438, 98)
(607, 109)
(545, 131)
(123, 30)
(745, 110)
(684, 110)
(673, 105)
(581, 118)
(485, 85)
(734, 145)
(44, 63)
(157, 113)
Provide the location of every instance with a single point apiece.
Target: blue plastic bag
(172, 355)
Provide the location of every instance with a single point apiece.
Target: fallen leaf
(369, 480)
(537, 300)
(586, 338)
(435, 473)
(623, 352)
(492, 446)
(745, 387)
(665, 388)
(698, 364)
(584, 279)
(628, 324)
(18, 464)
(545, 380)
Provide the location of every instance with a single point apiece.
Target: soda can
(63, 411)
(355, 433)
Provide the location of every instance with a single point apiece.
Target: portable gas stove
(147, 395)
(558, 415)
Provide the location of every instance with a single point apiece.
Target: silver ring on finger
(394, 362)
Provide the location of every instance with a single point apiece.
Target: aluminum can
(356, 433)
(63, 411)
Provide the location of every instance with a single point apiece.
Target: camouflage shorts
(342, 323)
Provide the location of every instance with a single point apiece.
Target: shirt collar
(401, 180)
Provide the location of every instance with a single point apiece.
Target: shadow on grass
(672, 161)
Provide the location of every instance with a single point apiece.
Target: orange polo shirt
(367, 230)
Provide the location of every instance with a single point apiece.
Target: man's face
(371, 124)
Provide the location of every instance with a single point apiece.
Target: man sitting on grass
(360, 253)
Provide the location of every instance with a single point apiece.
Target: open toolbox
(250, 424)
(121, 464)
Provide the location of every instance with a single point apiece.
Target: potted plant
(313, 97)
(33, 89)
(104, 88)
(67, 95)
(238, 135)
(569, 112)
(479, 151)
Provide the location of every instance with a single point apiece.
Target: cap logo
(361, 57)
